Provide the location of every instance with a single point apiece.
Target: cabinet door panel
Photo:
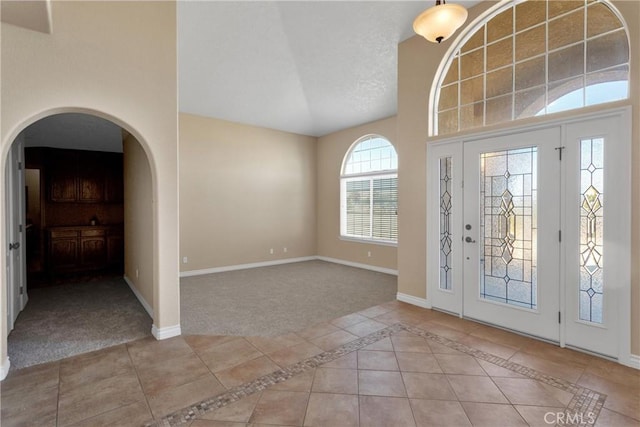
(91, 177)
(62, 171)
(114, 182)
(64, 253)
(93, 252)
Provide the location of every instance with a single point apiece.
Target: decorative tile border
(583, 409)
(233, 395)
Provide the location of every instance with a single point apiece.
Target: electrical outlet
(284, 250)
(369, 254)
(185, 260)
(137, 273)
(271, 251)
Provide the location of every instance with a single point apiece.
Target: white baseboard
(410, 299)
(244, 266)
(286, 261)
(167, 332)
(634, 361)
(4, 369)
(138, 295)
(358, 265)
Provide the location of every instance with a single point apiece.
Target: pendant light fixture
(439, 22)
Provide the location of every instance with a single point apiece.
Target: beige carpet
(65, 320)
(70, 319)
(270, 301)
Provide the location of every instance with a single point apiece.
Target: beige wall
(243, 191)
(418, 62)
(331, 151)
(116, 60)
(138, 223)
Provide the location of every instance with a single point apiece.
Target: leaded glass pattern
(591, 229)
(533, 58)
(445, 223)
(508, 227)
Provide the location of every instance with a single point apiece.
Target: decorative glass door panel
(508, 227)
(446, 234)
(591, 229)
(510, 210)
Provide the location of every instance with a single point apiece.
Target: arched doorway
(77, 180)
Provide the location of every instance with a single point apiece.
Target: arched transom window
(533, 58)
(369, 191)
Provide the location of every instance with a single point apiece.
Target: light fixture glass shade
(439, 22)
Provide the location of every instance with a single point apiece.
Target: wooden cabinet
(63, 249)
(85, 248)
(91, 178)
(114, 183)
(93, 249)
(115, 249)
(84, 176)
(62, 173)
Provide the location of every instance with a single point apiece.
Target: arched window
(533, 58)
(369, 191)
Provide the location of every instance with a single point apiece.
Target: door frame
(432, 274)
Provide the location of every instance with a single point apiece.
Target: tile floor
(390, 365)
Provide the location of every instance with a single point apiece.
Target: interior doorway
(531, 230)
(72, 220)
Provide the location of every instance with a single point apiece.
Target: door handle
(468, 239)
(15, 245)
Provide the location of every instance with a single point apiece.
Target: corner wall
(244, 190)
(331, 151)
(138, 222)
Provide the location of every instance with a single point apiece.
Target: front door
(519, 231)
(511, 222)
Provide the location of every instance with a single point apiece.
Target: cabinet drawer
(64, 233)
(93, 233)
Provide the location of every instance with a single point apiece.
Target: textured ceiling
(309, 67)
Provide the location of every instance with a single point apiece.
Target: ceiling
(307, 67)
(76, 131)
(34, 14)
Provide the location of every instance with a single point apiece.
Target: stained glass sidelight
(508, 229)
(591, 229)
(445, 223)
